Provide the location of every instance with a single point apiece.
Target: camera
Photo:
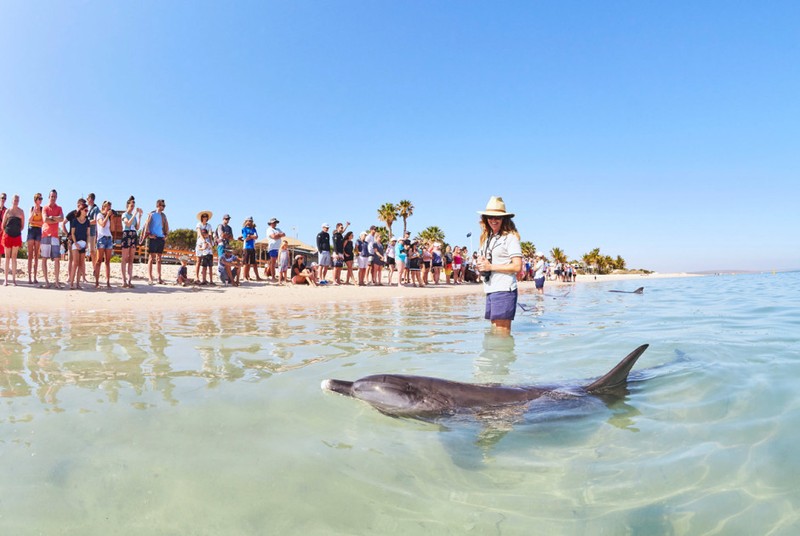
(486, 276)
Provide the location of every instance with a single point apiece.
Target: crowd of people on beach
(84, 238)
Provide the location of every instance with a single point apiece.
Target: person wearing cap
(538, 272)
(499, 261)
(204, 249)
(362, 247)
(274, 236)
(223, 235)
(249, 237)
(228, 267)
(324, 252)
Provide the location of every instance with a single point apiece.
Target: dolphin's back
(618, 376)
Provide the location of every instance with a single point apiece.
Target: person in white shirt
(499, 262)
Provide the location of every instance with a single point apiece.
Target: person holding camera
(499, 261)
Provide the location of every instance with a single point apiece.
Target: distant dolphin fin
(639, 290)
(338, 386)
(618, 376)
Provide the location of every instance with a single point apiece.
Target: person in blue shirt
(249, 237)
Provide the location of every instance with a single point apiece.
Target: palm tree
(619, 263)
(558, 255)
(405, 209)
(388, 214)
(592, 260)
(528, 249)
(386, 234)
(432, 234)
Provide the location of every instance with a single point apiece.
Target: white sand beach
(171, 296)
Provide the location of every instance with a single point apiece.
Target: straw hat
(495, 207)
(206, 212)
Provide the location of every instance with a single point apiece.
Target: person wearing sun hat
(499, 261)
(324, 252)
(223, 235)
(204, 249)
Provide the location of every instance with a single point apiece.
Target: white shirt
(273, 243)
(500, 249)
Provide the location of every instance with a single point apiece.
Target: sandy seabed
(171, 296)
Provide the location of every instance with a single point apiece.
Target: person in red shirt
(51, 245)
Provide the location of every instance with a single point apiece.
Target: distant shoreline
(172, 297)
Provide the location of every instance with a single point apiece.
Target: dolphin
(639, 290)
(427, 398)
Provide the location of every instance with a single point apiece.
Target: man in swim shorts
(51, 246)
(157, 229)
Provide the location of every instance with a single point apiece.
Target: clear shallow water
(215, 423)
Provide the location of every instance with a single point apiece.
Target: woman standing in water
(499, 261)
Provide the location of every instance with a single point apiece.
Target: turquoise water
(215, 423)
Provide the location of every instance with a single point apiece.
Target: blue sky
(663, 132)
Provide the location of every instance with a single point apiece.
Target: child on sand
(283, 263)
(183, 272)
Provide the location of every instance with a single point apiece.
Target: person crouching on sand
(183, 272)
(300, 274)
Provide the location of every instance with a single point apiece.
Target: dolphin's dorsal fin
(639, 290)
(618, 376)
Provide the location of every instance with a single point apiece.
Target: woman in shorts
(457, 260)
(130, 227)
(414, 261)
(436, 262)
(13, 221)
(105, 244)
(35, 221)
(499, 261)
(79, 235)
